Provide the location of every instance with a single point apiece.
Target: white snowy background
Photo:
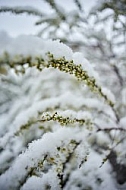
(23, 24)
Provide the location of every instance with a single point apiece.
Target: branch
(63, 120)
(110, 129)
(78, 5)
(62, 64)
(115, 68)
(120, 169)
(20, 10)
(56, 8)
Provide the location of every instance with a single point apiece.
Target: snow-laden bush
(59, 127)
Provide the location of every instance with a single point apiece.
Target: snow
(123, 122)
(84, 177)
(37, 183)
(22, 24)
(109, 94)
(31, 45)
(124, 96)
(79, 59)
(36, 93)
(36, 151)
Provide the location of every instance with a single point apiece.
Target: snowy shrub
(63, 112)
(57, 122)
